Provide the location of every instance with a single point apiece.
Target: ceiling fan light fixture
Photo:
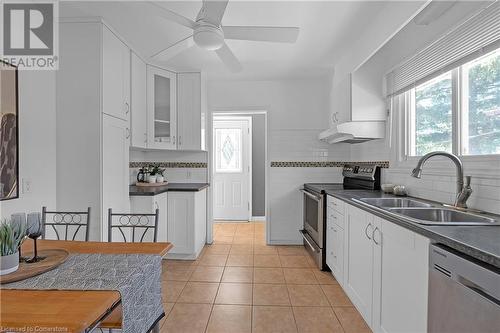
(208, 37)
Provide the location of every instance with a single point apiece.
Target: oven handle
(310, 195)
(304, 236)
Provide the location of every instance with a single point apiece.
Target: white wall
(37, 143)
(297, 112)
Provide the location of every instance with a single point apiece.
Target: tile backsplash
(190, 165)
(180, 166)
(327, 164)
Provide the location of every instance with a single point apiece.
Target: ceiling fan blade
(212, 11)
(172, 16)
(174, 50)
(266, 34)
(229, 59)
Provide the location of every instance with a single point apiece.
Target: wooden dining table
(69, 310)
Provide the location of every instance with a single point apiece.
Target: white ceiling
(326, 28)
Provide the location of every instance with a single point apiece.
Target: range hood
(366, 108)
(354, 132)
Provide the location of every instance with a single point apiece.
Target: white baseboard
(259, 218)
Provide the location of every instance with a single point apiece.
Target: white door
(232, 171)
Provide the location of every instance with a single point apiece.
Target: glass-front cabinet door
(162, 108)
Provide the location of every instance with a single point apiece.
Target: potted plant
(159, 174)
(11, 237)
(152, 173)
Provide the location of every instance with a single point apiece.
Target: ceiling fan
(210, 35)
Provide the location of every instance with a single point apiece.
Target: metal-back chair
(70, 222)
(132, 225)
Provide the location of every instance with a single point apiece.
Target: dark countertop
(479, 242)
(179, 187)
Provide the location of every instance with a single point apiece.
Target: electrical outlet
(27, 184)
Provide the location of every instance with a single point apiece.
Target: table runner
(136, 276)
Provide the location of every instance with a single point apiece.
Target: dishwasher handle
(311, 195)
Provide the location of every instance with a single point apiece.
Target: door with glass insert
(232, 171)
(162, 108)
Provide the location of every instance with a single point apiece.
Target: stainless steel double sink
(425, 213)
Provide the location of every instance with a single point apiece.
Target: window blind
(478, 35)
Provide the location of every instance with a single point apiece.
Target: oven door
(313, 217)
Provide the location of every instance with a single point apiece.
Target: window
(432, 118)
(458, 111)
(228, 150)
(481, 106)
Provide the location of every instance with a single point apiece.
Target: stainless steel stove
(356, 177)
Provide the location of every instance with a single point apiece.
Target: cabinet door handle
(128, 133)
(156, 205)
(180, 140)
(373, 235)
(366, 230)
(173, 139)
(127, 108)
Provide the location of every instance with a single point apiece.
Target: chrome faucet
(463, 191)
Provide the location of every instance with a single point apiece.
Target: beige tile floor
(240, 285)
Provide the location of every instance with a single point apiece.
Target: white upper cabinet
(162, 108)
(190, 112)
(115, 76)
(139, 118)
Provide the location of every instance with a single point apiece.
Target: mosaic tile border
(329, 164)
(190, 165)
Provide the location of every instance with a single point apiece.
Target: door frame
(248, 119)
(235, 112)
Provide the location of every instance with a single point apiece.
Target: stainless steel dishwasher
(464, 295)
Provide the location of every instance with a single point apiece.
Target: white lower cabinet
(335, 238)
(400, 279)
(149, 204)
(187, 222)
(359, 254)
(182, 220)
(385, 270)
